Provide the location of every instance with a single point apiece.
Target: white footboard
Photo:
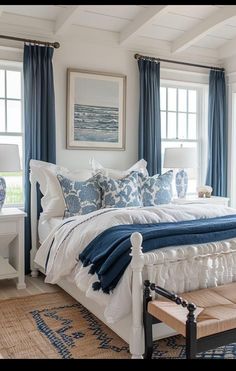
(178, 269)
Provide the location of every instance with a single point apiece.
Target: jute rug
(56, 326)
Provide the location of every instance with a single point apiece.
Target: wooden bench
(205, 317)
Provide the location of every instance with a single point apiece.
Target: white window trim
(17, 66)
(202, 119)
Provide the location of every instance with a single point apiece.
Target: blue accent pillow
(81, 197)
(120, 192)
(156, 189)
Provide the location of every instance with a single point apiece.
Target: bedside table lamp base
(181, 183)
(2, 192)
(9, 162)
(180, 158)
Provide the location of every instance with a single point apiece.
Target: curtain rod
(56, 44)
(138, 56)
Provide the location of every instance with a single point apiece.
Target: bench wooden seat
(206, 317)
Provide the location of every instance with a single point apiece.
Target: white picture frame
(95, 110)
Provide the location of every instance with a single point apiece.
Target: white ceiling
(208, 30)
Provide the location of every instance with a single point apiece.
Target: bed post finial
(137, 263)
(136, 240)
(136, 247)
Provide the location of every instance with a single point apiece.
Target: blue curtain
(149, 115)
(39, 117)
(217, 134)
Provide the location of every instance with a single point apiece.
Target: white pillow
(140, 166)
(53, 203)
(38, 168)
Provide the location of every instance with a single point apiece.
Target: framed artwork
(95, 110)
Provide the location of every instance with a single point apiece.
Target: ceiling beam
(144, 18)
(65, 19)
(206, 26)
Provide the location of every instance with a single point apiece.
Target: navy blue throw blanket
(108, 253)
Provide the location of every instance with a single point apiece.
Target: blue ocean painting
(95, 123)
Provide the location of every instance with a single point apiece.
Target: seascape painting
(96, 110)
(95, 123)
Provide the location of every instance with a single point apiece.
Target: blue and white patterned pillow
(156, 189)
(120, 192)
(80, 197)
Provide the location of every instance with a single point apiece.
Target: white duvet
(69, 239)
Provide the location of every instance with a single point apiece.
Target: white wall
(80, 54)
(100, 51)
(92, 55)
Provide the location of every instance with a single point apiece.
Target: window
(180, 124)
(11, 127)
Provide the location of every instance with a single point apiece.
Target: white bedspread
(69, 239)
(46, 225)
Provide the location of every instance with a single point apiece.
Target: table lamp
(180, 158)
(9, 162)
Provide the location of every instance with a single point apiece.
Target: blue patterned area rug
(56, 326)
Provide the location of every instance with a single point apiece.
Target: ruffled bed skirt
(188, 268)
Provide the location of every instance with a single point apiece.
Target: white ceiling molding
(64, 20)
(198, 32)
(144, 18)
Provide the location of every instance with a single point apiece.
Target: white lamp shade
(181, 158)
(9, 158)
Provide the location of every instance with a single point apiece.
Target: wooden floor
(34, 286)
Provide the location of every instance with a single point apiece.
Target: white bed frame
(131, 327)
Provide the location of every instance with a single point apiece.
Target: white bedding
(71, 238)
(45, 226)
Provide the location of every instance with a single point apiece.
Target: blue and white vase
(2, 192)
(181, 182)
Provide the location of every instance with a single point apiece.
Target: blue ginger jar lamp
(2, 191)
(180, 158)
(181, 183)
(9, 162)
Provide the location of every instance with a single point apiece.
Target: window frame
(15, 66)
(201, 122)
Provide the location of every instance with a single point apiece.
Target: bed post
(136, 335)
(33, 221)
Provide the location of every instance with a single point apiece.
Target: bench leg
(148, 336)
(191, 341)
(147, 322)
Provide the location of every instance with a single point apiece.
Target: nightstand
(12, 257)
(224, 201)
